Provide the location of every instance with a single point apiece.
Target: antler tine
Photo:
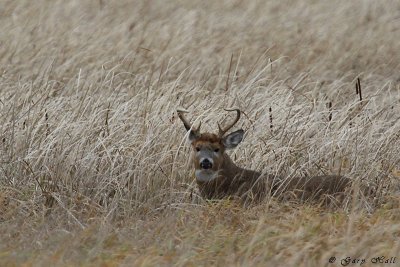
(187, 125)
(223, 131)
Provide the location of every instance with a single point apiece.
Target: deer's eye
(197, 149)
(216, 150)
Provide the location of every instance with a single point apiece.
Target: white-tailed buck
(218, 176)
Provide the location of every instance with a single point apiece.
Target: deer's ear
(233, 139)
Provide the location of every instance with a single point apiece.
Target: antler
(223, 131)
(187, 125)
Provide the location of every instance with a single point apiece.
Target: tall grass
(94, 161)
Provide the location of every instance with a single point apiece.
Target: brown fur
(211, 141)
(233, 181)
(251, 185)
(224, 178)
(208, 138)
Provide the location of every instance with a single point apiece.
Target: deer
(217, 176)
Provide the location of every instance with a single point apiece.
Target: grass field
(94, 161)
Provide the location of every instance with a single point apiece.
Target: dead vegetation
(94, 167)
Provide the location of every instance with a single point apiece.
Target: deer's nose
(205, 164)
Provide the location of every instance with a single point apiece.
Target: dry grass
(94, 168)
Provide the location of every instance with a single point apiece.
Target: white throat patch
(205, 175)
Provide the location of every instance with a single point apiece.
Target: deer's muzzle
(205, 164)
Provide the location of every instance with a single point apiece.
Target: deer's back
(314, 187)
(251, 185)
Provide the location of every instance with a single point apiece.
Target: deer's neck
(229, 169)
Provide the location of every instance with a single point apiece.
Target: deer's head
(208, 149)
